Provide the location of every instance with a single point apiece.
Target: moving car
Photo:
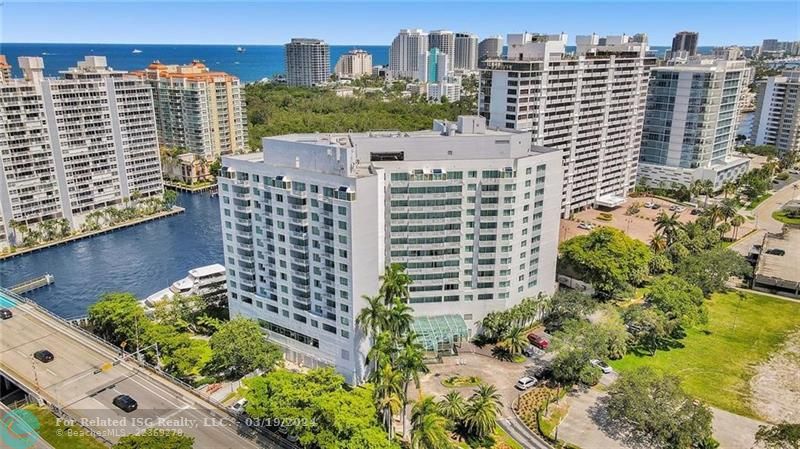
(524, 383)
(238, 407)
(602, 365)
(44, 356)
(125, 403)
(538, 341)
(5, 314)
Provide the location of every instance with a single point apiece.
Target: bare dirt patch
(776, 385)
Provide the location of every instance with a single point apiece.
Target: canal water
(141, 259)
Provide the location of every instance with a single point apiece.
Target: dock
(85, 235)
(190, 189)
(32, 284)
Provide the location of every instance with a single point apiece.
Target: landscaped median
(717, 361)
(542, 409)
(784, 217)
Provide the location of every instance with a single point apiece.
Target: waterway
(141, 259)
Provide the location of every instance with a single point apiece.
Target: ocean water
(255, 63)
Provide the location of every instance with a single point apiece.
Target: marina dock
(32, 284)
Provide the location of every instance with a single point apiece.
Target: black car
(695, 212)
(125, 403)
(5, 314)
(44, 356)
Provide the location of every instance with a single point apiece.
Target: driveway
(762, 216)
(587, 425)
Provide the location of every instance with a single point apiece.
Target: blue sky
(376, 22)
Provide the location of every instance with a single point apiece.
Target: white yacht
(208, 282)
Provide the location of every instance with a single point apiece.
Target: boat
(136, 51)
(241, 49)
(207, 281)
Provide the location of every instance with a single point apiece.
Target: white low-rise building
(310, 224)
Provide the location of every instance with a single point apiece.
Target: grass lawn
(717, 361)
(48, 431)
(783, 218)
(758, 201)
(502, 440)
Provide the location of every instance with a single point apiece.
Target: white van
(525, 383)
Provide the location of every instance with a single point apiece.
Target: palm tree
(728, 187)
(399, 318)
(668, 225)
(411, 363)
(658, 243)
(481, 414)
(428, 427)
(736, 221)
(394, 283)
(372, 319)
(388, 396)
(453, 406)
(770, 165)
(728, 208)
(380, 355)
(714, 213)
(706, 188)
(724, 228)
(515, 341)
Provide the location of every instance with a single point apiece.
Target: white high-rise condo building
(71, 145)
(490, 48)
(465, 57)
(310, 224)
(445, 41)
(308, 62)
(405, 51)
(197, 109)
(588, 105)
(690, 123)
(354, 64)
(777, 118)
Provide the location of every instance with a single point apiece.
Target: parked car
(283, 430)
(238, 407)
(125, 403)
(602, 365)
(676, 208)
(524, 383)
(292, 438)
(44, 356)
(649, 204)
(585, 225)
(529, 351)
(538, 341)
(656, 206)
(5, 314)
(696, 212)
(794, 171)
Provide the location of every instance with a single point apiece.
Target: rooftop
(195, 71)
(781, 269)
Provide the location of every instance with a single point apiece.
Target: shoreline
(20, 252)
(186, 189)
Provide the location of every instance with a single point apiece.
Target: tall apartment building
(770, 45)
(731, 53)
(404, 52)
(310, 224)
(445, 41)
(75, 144)
(490, 48)
(308, 62)
(354, 64)
(777, 117)
(685, 41)
(690, 123)
(588, 105)
(5, 69)
(197, 109)
(465, 52)
(433, 66)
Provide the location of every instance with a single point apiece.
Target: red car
(538, 341)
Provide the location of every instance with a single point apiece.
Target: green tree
(428, 426)
(711, 269)
(483, 406)
(608, 259)
(411, 363)
(657, 411)
(118, 317)
(515, 341)
(780, 436)
(388, 396)
(668, 225)
(372, 319)
(170, 198)
(649, 328)
(568, 305)
(452, 406)
(399, 318)
(155, 439)
(394, 284)
(239, 347)
(680, 301)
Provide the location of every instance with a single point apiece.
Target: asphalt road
(70, 383)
